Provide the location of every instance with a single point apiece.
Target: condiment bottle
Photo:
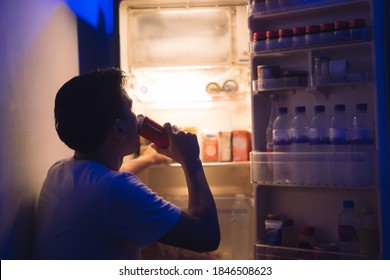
(259, 41)
(312, 36)
(341, 31)
(307, 237)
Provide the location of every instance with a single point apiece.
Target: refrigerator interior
(309, 203)
(188, 64)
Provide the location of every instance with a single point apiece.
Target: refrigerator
(196, 64)
(188, 64)
(318, 62)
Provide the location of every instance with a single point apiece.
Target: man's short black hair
(86, 106)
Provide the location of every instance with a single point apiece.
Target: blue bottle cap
(300, 109)
(319, 109)
(348, 204)
(339, 108)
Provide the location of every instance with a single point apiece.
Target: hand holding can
(152, 131)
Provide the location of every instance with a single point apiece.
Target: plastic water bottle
(300, 126)
(340, 146)
(272, 116)
(299, 131)
(319, 146)
(339, 129)
(362, 138)
(281, 144)
(240, 238)
(368, 233)
(362, 142)
(348, 228)
(319, 130)
(281, 131)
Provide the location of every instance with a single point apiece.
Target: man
(91, 206)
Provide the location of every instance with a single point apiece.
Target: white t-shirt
(87, 211)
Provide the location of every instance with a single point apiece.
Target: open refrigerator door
(324, 56)
(188, 64)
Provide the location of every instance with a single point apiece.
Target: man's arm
(197, 230)
(148, 158)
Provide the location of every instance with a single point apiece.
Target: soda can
(152, 131)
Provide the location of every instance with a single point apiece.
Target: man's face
(130, 125)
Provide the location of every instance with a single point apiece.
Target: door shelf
(327, 169)
(267, 252)
(275, 8)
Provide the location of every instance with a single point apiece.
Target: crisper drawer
(315, 169)
(267, 252)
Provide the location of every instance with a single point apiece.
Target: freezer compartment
(313, 169)
(266, 252)
(224, 207)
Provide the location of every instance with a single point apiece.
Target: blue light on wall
(91, 11)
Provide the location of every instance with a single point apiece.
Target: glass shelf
(267, 252)
(338, 169)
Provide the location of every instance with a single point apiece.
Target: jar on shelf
(272, 41)
(312, 36)
(285, 38)
(259, 41)
(307, 237)
(341, 31)
(321, 70)
(298, 38)
(326, 33)
(358, 29)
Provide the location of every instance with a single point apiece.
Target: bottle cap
(307, 231)
(272, 216)
(298, 31)
(300, 109)
(339, 108)
(319, 108)
(257, 36)
(361, 107)
(312, 29)
(324, 27)
(368, 210)
(348, 204)
(355, 23)
(285, 32)
(271, 34)
(340, 25)
(283, 110)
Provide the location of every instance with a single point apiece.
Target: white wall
(38, 53)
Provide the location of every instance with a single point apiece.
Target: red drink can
(152, 131)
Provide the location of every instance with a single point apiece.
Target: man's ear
(118, 128)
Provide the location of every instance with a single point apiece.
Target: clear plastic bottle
(340, 147)
(299, 131)
(319, 130)
(362, 144)
(300, 127)
(348, 228)
(339, 130)
(362, 137)
(282, 167)
(240, 237)
(272, 117)
(368, 233)
(281, 131)
(358, 29)
(319, 146)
